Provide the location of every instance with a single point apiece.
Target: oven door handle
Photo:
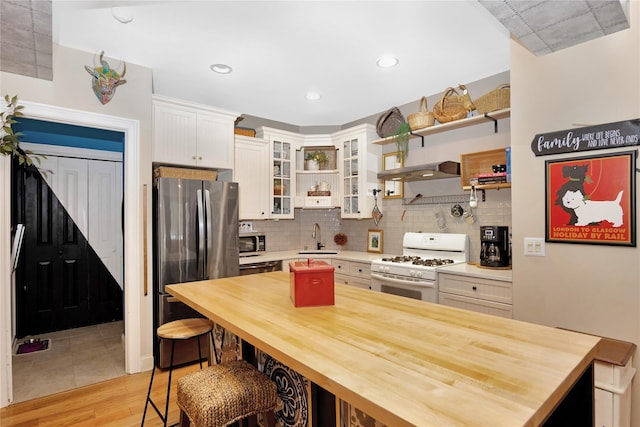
(268, 264)
(425, 284)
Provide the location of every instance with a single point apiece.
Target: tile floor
(76, 357)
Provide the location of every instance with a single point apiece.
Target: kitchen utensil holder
(435, 200)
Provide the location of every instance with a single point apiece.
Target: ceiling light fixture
(221, 68)
(122, 14)
(313, 96)
(387, 62)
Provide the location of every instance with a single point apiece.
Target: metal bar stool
(183, 329)
(223, 394)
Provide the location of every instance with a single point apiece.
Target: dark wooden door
(60, 282)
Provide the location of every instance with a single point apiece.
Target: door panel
(54, 273)
(60, 281)
(105, 202)
(71, 190)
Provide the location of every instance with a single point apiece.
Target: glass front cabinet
(359, 168)
(282, 183)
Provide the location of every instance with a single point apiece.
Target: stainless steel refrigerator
(195, 237)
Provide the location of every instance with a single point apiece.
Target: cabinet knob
(474, 288)
(339, 267)
(200, 158)
(359, 270)
(193, 157)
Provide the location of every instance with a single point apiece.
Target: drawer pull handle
(474, 288)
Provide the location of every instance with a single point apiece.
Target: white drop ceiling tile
(16, 36)
(44, 72)
(41, 6)
(42, 23)
(611, 17)
(543, 15)
(517, 26)
(16, 12)
(501, 10)
(535, 44)
(524, 6)
(43, 44)
(571, 32)
(25, 68)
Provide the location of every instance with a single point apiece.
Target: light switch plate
(534, 246)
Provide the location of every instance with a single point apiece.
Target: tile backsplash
(397, 219)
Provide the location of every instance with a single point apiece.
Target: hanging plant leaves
(402, 139)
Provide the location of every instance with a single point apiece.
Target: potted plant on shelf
(9, 140)
(401, 138)
(315, 160)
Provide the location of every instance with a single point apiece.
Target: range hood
(422, 172)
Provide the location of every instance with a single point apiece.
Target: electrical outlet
(534, 246)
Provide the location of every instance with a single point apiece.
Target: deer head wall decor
(105, 78)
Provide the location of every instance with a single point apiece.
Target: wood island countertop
(402, 361)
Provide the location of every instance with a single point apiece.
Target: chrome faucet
(316, 235)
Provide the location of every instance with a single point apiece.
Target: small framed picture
(374, 241)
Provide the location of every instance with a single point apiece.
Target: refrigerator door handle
(201, 256)
(207, 206)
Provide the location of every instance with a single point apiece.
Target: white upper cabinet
(189, 134)
(282, 167)
(358, 170)
(252, 176)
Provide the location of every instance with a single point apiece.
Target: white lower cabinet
(352, 273)
(613, 393)
(476, 294)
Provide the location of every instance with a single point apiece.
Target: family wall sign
(598, 137)
(591, 199)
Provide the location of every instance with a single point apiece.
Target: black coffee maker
(494, 246)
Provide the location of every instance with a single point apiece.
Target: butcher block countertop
(402, 361)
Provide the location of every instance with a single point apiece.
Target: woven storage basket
(453, 106)
(389, 122)
(244, 131)
(423, 118)
(497, 99)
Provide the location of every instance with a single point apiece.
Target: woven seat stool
(183, 329)
(222, 394)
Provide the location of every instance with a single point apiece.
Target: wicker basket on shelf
(497, 99)
(453, 106)
(423, 118)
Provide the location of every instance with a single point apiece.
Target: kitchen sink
(316, 252)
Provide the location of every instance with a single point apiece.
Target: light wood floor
(118, 402)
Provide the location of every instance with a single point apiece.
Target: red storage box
(311, 283)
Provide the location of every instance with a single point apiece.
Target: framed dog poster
(592, 200)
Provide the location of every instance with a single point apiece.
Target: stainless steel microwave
(252, 244)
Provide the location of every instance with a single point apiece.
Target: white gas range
(413, 274)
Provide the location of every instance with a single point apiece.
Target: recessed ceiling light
(313, 96)
(221, 68)
(122, 14)
(387, 62)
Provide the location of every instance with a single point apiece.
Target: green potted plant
(401, 138)
(10, 141)
(316, 160)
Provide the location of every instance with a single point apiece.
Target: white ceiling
(279, 50)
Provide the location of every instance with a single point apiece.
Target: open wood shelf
(471, 164)
(456, 124)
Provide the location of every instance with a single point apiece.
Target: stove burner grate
(416, 260)
(432, 262)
